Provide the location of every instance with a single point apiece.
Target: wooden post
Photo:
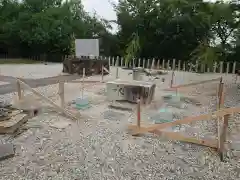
(117, 73)
(143, 62)
(109, 61)
(223, 135)
(174, 64)
(196, 68)
(221, 67)
(61, 93)
(133, 63)
(83, 78)
(221, 96)
(121, 61)
(153, 64)
(117, 62)
(19, 90)
(215, 67)
(163, 64)
(139, 62)
(227, 70)
(139, 113)
(102, 73)
(168, 65)
(234, 68)
(148, 63)
(171, 85)
(158, 64)
(179, 65)
(184, 66)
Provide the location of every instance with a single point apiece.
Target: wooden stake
(122, 62)
(179, 65)
(117, 73)
(19, 90)
(227, 70)
(234, 68)
(171, 85)
(148, 63)
(174, 64)
(158, 64)
(184, 66)
(61, 93)
(221, 103)
(143, 63)
(102, 73)
(196, 70)
(83, 78)
(109, 61)
(215, 67)
(139, 62)
(223, 136)
(168, 65)
(163, 64)
(221, 67)
(139, 113)
(153, 64)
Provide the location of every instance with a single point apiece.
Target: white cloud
(103, 8)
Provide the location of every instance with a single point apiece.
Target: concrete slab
(6, 151)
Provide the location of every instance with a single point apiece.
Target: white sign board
(87, 47)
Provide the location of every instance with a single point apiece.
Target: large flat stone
(6, 151)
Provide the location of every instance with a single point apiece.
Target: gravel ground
(98, 146)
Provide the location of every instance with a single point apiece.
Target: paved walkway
(34, 83)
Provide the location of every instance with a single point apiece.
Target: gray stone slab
(6, 151)
(112, 115)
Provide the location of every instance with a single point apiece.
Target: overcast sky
(103, 8)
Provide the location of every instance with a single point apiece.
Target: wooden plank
(67, 113)
(223, 136)
(186, 120)
(196, 83)
(11, 125)
(179, 137)
(80, 81)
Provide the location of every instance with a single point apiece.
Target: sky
(104, 9)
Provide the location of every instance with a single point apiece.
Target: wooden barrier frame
(157, 129)
(57, 107)
(193, 84)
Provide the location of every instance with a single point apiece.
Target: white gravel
(98, 148)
